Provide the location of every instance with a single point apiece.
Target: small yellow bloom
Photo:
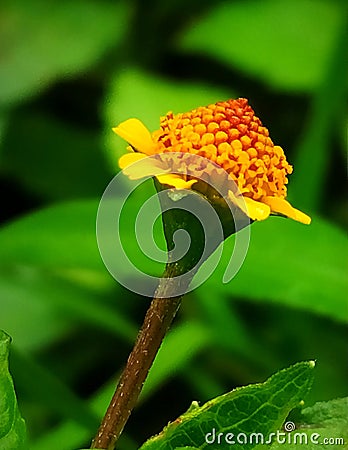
(229, 135)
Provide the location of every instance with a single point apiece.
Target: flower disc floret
(229, 134)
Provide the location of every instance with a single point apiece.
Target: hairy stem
(157, 320)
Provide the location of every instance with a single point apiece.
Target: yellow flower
(229, 135)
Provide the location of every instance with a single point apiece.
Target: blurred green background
(71, 70)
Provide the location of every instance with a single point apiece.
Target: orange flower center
(229, 134)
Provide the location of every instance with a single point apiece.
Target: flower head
(227, 134)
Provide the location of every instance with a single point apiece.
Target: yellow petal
(175, 181)
(255, 210)
(148, 166)
(136, 134)
(281, 206)
(130, 158)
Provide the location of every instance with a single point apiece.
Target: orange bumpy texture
(229, 134)
(226, 133)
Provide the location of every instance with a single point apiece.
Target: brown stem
(157, 320)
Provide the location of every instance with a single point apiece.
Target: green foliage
(322, 267)
(33, 239)
(283, 43)
(51, 142)
(174, 356)
(303, 268)
(326, 414)
(322, 425)
(260, 408)
(46, 40)
(327, 106)
(12, 426)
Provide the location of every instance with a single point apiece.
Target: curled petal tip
(253, 209)
(302, 217)
(136, 134)
(282, 206)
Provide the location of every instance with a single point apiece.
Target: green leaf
(259, 408)
(288, 263)
(69, 436)
(38, 385)
(52, 305)
(186, 448)
(12, 426)
(285, 43)
(329, 413)
(47, 40)
(300, 266)
(321, 426)
(26, 291)
(229, 332)
(3, 125)
(308, 183)
(175, 354)
(52, 159)
(50, 288)
(62, 236)
(131, 94)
